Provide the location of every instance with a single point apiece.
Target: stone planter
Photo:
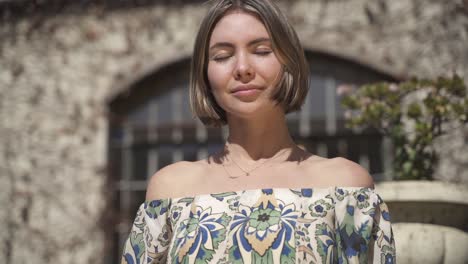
(430, 220)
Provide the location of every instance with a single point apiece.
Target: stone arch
(136, 89)
(361, 60)
(131, 91)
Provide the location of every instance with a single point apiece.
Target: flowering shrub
(412, 114)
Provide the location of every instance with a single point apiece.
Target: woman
(262, 199)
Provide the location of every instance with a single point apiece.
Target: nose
(243, 72)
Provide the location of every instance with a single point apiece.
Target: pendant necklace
(248, 172)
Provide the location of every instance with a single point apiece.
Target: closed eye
(263, 52)
(221, 58)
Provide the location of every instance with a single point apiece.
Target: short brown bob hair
(294, 82)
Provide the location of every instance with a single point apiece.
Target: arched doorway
(151, 126)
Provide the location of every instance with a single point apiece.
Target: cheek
(276, 69)
(211, 75)
(270, 69)
(217, 80)
(216, 76)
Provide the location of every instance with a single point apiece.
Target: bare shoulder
(173, 180)
(338, 172)
(348, 173)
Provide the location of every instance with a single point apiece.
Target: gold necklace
(247, 172)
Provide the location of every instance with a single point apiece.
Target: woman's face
(243, 70)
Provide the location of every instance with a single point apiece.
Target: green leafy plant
(412, 114)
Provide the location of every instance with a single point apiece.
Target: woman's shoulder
(173, 179)
(339, 171)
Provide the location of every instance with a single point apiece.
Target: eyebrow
(227, 44)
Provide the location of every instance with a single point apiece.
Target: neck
(262, 138)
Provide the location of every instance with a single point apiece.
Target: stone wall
(56, 78)
(58, 71)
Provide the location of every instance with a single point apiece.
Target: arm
(151, 233)
(363, 229)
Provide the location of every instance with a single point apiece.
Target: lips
(247, 93)
(245, 88)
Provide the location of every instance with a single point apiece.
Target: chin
(248, 112)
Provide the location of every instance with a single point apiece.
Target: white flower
(393, 87)
(344, 89)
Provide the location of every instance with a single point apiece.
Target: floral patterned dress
(279, 225)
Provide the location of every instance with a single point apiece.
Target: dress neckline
(274, 189)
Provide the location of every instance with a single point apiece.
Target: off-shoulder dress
(277, 225)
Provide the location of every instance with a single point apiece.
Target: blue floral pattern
(324, 225)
